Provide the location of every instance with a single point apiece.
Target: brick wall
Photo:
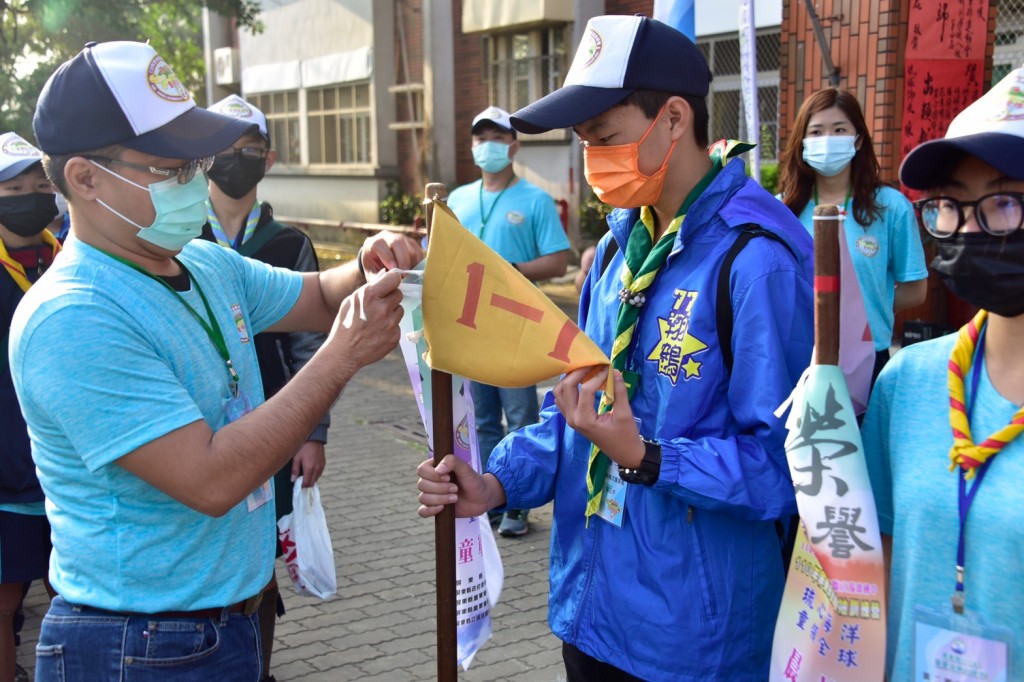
(471, 95)
(865, 39)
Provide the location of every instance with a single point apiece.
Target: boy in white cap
(238, 220)
(665, 552)
(945, 416)
(519, 221)
(26, 250)
(152, 440)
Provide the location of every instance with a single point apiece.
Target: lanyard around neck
(846, 201)
(211, 328)
(484, 217)
(965, 498)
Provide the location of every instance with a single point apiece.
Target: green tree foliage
(38, 35)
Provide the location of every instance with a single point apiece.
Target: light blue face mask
(491, 157)
(180, 210)
(829, 154)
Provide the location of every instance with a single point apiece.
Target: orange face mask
(614, 173)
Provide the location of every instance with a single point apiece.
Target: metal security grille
(724, 105)
(1008, 53)
(523, 67)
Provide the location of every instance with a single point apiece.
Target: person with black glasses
(238, 220)
(941, 431)
(152, 440)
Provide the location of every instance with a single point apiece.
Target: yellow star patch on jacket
(675, 350)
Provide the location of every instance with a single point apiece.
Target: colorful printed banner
(478, 571)
(483, 320)
(831, 625)
(856, 346)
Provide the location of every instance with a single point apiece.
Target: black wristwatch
(650, 466)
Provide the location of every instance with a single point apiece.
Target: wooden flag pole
(826, 284)
(444, 523)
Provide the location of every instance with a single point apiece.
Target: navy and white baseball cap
(496, 116)
(992, 129)
(16, 156)
(125, 93)
(236, 107)
(617, 56)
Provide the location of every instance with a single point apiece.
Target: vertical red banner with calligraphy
(944, 65)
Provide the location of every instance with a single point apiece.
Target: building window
(523, 67)
(724, 102)
(338, 118)
(282, 111)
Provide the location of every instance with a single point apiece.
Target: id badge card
(613, 502)
(236, 407)
(959, 648)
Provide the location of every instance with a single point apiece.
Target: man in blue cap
(666, 559)
(153, 443)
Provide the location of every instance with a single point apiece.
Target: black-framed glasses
(248, 153)
(999, 214)
(183, 173)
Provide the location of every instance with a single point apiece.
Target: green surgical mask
(180, 210)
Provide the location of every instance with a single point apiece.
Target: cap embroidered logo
(237, 109)
(593, 47)
(17, 146)
(164, 83)
(1013, 108)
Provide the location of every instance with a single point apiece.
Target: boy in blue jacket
(665, 554)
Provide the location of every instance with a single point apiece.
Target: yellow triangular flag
(483, 320)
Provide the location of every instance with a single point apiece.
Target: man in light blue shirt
(152, 440)
(519, 222)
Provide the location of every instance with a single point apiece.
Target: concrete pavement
(380, 626)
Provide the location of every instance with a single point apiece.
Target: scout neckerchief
(973, 460)
(211, 328)
(243, 234)
(642, 262)
(484, 217)
(964, 453)
(16, 270)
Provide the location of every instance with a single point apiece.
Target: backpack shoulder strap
(723, 301)
(609, 253)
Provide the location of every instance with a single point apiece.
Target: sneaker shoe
(20, 674)
(514, 524)
(494, 517)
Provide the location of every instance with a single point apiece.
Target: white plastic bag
(307, 544)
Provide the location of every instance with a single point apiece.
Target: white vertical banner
(748, 84)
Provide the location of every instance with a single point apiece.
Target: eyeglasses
(184, 173)
(997, 214)
(250, 153)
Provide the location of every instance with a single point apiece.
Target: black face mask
(27, 215)
(984, 270)
(236, 175)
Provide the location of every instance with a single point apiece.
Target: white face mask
(180, 210)
(829, 154)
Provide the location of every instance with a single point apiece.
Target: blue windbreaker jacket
(689, 587)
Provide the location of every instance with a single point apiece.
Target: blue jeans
(519, 404)
(79, 643)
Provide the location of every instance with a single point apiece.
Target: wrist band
(359, 263)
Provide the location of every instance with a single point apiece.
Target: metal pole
(819, 34)
(444, 523)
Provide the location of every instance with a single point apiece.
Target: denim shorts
(82, 644)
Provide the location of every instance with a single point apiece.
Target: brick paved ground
(380, 626)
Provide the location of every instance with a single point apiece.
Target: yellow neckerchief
(964, 452)
(16, 270)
